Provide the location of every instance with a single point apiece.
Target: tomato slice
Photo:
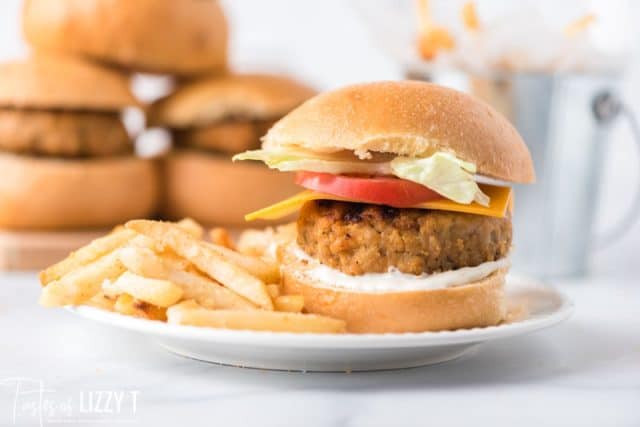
(382, 190)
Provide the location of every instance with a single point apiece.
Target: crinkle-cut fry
(158, 292)
(86, 254)
(220, 236)
(258, 320)
(207, 260)
(82, 283)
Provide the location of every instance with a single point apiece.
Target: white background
(582, 373)
(325, 44)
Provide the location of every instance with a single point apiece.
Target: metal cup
(564, 118)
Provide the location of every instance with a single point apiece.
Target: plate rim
(159, 329)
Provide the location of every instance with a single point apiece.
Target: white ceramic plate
(348, 352)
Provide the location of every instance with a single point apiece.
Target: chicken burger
(405, 220)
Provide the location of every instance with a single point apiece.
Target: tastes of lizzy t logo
(27, 401)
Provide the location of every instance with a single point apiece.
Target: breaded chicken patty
(231, 136)
(358, 238)
(63, 133)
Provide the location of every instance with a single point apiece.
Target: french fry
(161, 293)
(125, 305)
(433, 41)
(206, 260)
(470, 16)
(128, 305)
(431, 38)
(424, 15)
(255, 242)
(143, 262)
(162, 271)
(274, 291)
(286, 233)
(110, 290)
(579, 25)
(101, 301)
(85, 255)
(267, 243)
(166, 266)
(140, 241)
(187, 304)
(266, 271)
(220, 236)
(290, 303)
(207, 292)
(159, 249)
(82, 283)
(191, 227)
(259, 320)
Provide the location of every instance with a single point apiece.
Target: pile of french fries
(166, 271)
(433, 38)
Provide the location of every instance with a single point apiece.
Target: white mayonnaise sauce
(394, 280)
(482, 179)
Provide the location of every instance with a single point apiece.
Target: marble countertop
(57, 368)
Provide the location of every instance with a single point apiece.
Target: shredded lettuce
(441, 172)
(287, 161)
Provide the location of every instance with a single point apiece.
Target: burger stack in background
(69, 168)
(67, 160)
(212, 119)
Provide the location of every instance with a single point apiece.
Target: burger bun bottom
(477, 304)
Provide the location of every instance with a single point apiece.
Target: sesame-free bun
(64, 83)
(211, 189)
(46, 193)
(182, 37)
(477, 304)
(248, 96)
(407, 118)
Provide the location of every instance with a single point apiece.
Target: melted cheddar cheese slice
(501, 203)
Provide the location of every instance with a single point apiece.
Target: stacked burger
(68, 161)
(405, 223)
(212, 113)
(66, 157)
(179, 38)
(211, 119)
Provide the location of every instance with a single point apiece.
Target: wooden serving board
(35, 250)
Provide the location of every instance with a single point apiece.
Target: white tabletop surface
(584, 372)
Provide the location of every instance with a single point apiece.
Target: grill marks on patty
(358, 238)
(63, 133)
(229, 136)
